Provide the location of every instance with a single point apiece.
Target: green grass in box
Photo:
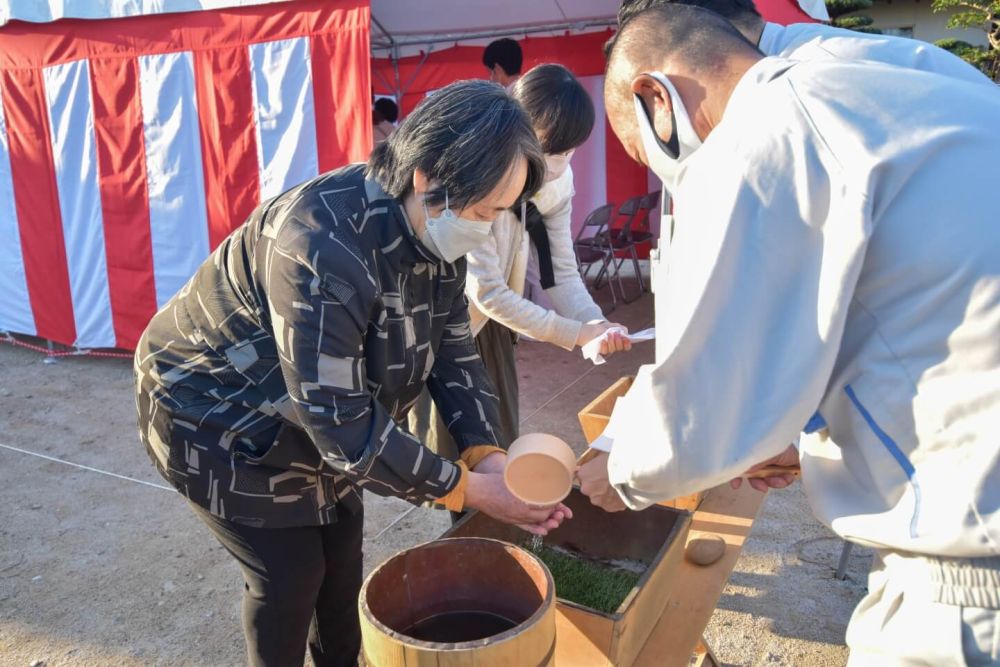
(590, 583)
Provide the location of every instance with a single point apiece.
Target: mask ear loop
(672, 147)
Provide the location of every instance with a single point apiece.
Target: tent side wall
(129, 148)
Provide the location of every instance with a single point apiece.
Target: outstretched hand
(617, 340)
(488, 493)
(594, 484)
(786, 459)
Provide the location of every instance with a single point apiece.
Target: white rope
(394, 522)
(563, 391)
(83, 467)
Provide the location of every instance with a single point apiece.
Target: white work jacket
(835, 262)
(807, 41)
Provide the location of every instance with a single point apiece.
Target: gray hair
(467, 136)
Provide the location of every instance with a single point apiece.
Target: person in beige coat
(562, 114)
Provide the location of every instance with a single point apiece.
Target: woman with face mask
(270, 389)
(562, 115)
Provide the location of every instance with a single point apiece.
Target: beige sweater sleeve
(569, 295)
(489, 290)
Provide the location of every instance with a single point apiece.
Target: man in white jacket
(835, 263)
(807, 41)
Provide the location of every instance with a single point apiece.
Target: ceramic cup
(539, 469)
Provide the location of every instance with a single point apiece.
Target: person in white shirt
(805, 41)
(835, 264)
(384, 116)
(562, 115)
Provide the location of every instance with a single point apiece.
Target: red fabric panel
(37, 203)
(624, 177)
(341, 81)
(124, 196)
(228, 138)
(783, 12)
(440, 69)
(31, 44)
(582, 54)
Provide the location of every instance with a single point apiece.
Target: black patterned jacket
(272, 385)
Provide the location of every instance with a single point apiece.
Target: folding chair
(592, 246)
(633, 232)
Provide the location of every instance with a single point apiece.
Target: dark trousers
(301, 585)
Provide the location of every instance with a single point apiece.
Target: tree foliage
(976, 14)
(838, 9)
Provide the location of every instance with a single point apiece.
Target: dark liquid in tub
(459, 626)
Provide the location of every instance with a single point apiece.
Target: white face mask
(449, 236)
(665, 158)
(556, 165)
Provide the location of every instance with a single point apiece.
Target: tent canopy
(395, 24)
(399, 30)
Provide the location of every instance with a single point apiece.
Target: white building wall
(926, 24)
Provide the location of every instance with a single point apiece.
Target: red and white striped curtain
(129, 148)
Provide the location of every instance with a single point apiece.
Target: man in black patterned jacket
(271, 387)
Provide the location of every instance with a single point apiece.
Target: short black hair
(695, 34)
(506, 53)
(741, 13)
(734, 10)
(560, 109)
(387, 109)
(700, 39)
(467, 136)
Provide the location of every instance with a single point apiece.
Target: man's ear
(658, 105)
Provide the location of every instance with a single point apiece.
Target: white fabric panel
(284, 117)
(45, 11)
(71, 117)
(589, 161)
(177, 214)
(15, 305)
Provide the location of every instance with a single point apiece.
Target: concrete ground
(101, 564)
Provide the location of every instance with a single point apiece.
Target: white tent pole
(383, 30)
(395, 72)
(420, 66)
(393, 55)
(393, 89)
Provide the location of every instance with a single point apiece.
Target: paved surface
(101, 570)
